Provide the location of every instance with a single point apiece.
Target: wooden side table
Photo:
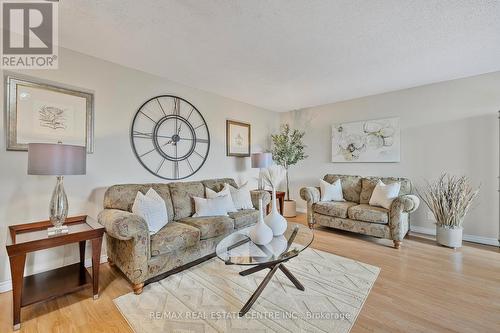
(280, 197)
(30, 237)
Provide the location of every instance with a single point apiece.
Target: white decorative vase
(261, 234)
(274, 220)
(449, 237)
(278, 245)
(289, 208)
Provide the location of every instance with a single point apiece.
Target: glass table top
(238, 249)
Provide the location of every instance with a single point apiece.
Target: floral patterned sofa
(183, 242)
(356, 215)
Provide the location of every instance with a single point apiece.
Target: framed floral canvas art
(238, 139)
(46, 113)
(367, 141)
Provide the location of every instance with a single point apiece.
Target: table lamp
(261, 161)
(59, 160)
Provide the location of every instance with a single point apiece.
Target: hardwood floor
(422, 287)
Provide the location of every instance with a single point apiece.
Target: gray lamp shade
(261, 160)
(56, 159)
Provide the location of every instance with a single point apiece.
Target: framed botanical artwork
(367, 141)
(238, 139)
(46, 113)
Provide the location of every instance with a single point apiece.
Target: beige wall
(450, 126)
(119, 91)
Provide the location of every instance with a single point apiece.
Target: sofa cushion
(182, 194)
(244, 217)
(210, 226)
(332, 208)
(368, 185)
(172, 237)
(367, 213)
(351, 186)
(122, 196)
(218, 184)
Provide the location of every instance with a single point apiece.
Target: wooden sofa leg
(110, 262)
(397, 244)
(138, 287)
(311, 226)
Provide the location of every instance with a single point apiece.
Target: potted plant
(287, 150)
(449, 199)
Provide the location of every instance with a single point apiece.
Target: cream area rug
(208, 297)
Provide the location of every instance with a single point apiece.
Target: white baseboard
(7, 285)
(467, 238)
(432, 231)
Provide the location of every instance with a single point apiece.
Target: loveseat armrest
(406, 203)
(398, 220)
(123, 225)
(257, 194)
(310, 194)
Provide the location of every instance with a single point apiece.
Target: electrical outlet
(430, 216)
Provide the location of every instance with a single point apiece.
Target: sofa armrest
(398, 219)
(310, 194)
(127, 243)
(257, 194)
(123, 225)
(406, 203)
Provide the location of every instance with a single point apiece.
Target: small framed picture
(238, 138)
(46, 113)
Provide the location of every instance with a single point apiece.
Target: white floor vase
(275, 220)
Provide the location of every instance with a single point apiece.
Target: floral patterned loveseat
(356, 215)
(183, 242)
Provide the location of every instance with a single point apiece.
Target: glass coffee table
(238, 249)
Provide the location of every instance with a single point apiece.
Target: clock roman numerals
(200, 125)
(169, 141)
(137, 134)
(189, 165)
(161, 164)
(177, 107)
(161, 107)
(176, 170)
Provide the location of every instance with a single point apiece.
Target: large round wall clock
(170, 137)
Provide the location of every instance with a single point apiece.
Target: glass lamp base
(56, 231)
(58, 209)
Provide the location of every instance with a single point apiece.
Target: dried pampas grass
(449, 198)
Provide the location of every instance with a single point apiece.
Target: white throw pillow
(210, 207)
(331, 192)
(241, 196)
(226, 194)
(151, 207)
(383, 195)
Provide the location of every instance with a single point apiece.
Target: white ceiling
(289, 54)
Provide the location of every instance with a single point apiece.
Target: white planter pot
(290, 208)
(274, 220)
(449, 237)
